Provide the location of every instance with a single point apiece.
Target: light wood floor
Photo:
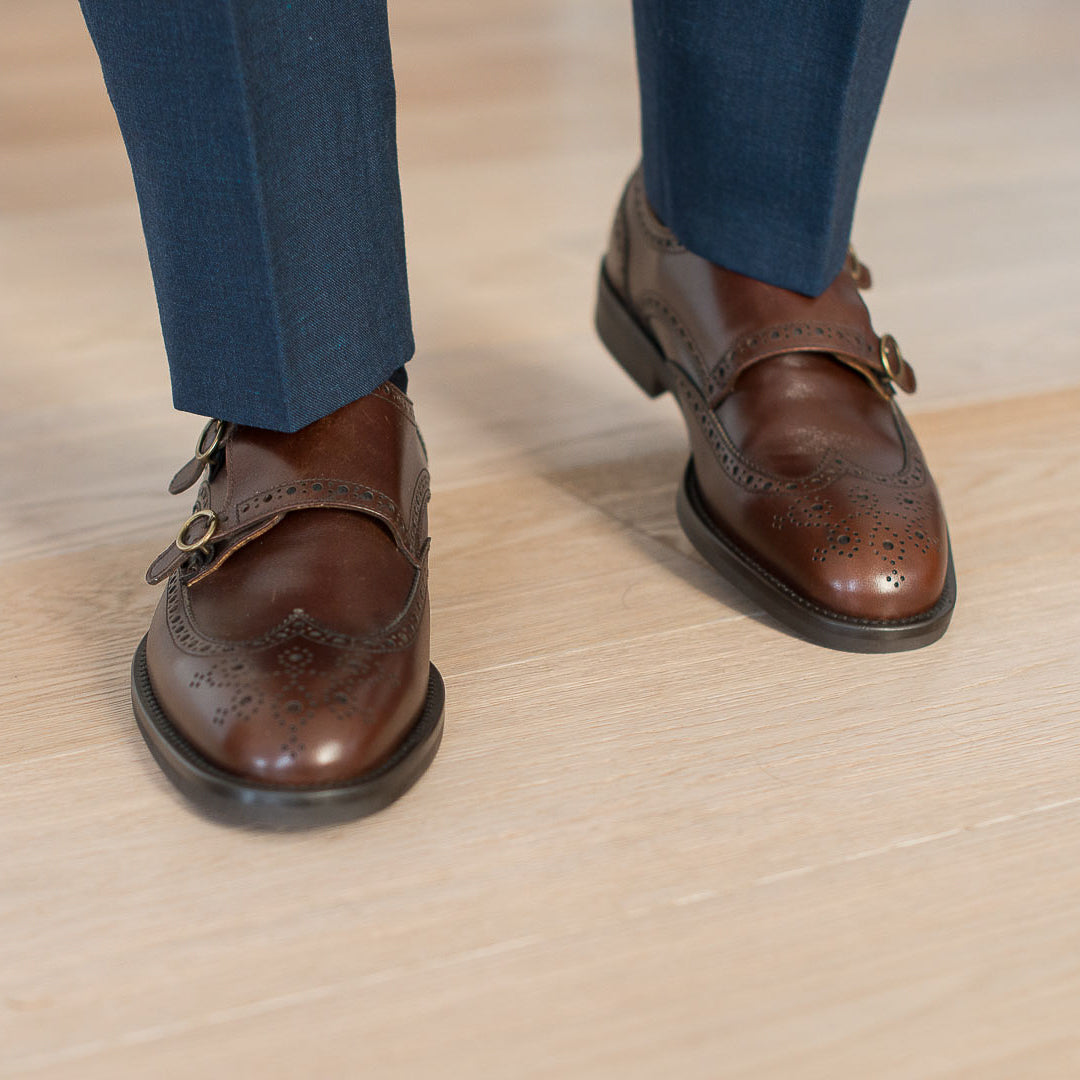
(662, 839)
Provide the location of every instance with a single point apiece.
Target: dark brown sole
(228, 798)
(641, 357)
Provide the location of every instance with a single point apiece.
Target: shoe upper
(801, 454)
(291, 643)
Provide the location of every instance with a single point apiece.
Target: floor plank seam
(157, 1033)
(914, 841)
(577, 650)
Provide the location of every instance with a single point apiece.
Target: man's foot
(805, 486)
(285, 678)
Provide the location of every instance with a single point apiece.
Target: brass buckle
(211, 527)
(859, 271)
(218, 427)
(890, 351)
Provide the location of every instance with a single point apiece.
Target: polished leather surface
(801, 454)
(293, 650)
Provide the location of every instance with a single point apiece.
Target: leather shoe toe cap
(293, 712)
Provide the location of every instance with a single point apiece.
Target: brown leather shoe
(805, 487)
(285, 677)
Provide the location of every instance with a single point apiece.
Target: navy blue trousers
(261, 135)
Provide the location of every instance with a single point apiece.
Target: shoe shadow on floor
(609, 447)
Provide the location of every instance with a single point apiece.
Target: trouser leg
(262, 143)
(756, 118)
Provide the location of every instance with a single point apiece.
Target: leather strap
(207, 448)
(878, 359)
(375, 462)
(239, 524)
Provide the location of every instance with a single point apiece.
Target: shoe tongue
(364, 442)
(745, 305)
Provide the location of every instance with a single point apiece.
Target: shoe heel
(627, 341)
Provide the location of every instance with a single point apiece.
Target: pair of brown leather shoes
(285, 679)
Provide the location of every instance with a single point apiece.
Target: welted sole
(228, 798)
(636, 351)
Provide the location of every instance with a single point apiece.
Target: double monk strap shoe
(285, 679)
(805, 487)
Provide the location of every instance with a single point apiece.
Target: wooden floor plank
(661, 838)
